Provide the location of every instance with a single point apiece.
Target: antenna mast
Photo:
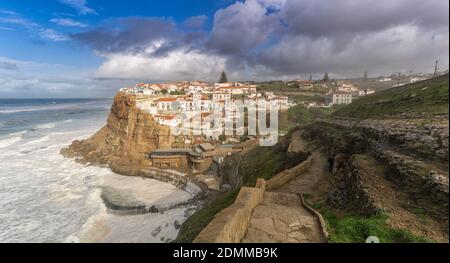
(435, 69)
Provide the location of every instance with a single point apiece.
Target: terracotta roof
(165, 117)
(166, 99)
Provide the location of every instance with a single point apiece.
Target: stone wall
(231, 224)
(287, 175)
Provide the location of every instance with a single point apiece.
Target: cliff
(125, 141)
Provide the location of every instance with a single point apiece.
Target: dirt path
(314, 184)
(281, 218)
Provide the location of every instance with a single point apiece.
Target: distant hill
(424, 98)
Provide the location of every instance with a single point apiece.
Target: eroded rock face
(357, 188)
(124, 143)
(413, 153)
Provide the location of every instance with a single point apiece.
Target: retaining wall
(231, 224)
(287, 175)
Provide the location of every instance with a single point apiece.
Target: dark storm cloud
(287, 38)
(331, 18)
(137, 34)
(242, 26)
(130, 35)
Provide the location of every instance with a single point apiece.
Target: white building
(165, 104)
(168, 120)
(385, 80)
(281, 102)
(339, 97)
(216, 96)
(416, 79)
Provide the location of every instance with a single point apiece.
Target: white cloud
(17, 20)
(179, 64)
(68, 22)
(31, 26)
(51, 34)
(80, 5)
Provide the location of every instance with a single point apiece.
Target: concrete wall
(287, 175)
(176, 162)
(231, 224)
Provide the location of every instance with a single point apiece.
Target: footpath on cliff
(281, 216)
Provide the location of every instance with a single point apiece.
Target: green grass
(277, 86)
(303, 98)
(301, 115)
(356, 229)
(429, 97)
(200, 219)
(261, 162)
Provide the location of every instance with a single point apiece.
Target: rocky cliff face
(124, 143)
(398, 166)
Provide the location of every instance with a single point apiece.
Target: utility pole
(435, 69)
(398, 80)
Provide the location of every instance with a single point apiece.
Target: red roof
(165, 117)
(166, 99)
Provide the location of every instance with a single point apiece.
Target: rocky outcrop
(124, 143)
(357, 189)
(228, 172)
(411, 155)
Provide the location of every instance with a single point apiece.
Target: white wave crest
(46, 126)
(10, 141)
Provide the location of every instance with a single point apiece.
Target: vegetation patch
(356, 229)
(301, 115)
(261, 162)
(200, 219)
(429, 97)
(279, 86)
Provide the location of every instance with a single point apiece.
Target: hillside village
(167, 101)
(194, 101)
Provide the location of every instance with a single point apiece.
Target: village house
(168, 120)
(221, 96)
(386, 79)
(165, 104)
(281, 102)
(305, 84)
(338, 97)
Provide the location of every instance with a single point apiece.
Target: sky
(91, 48)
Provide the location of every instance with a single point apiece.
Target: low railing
(319, 217)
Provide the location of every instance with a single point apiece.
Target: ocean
(45, 197)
